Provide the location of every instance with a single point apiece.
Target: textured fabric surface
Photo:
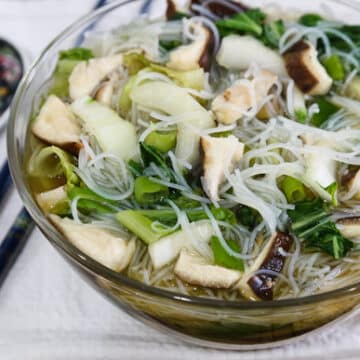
(48, 312)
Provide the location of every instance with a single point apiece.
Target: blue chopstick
(14, 242)
(5, 181)
(21, 228)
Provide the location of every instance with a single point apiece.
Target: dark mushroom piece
(223, 9)
(194, 55)
(259, 281)
(351, 180)
(305, 69)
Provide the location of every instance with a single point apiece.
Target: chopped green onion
(310, 19)
(149, 192)
(334, 67)
(332, 190)
(163, 141)
(223, 258)
(293, 189)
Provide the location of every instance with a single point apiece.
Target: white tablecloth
(48, 312)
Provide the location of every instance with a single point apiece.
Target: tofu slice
(236, 100)
(87, 74)
(111, 251)
(305, 69)
(196, 270)
(52, 200)
(255, 285)
(219, 155)
(57, 125)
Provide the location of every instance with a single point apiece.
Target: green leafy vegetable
(140, 225)
(135, 168)
(293, 189)
(67, 61)
(310, 19)
(334, 67)
(163, 141)
(169, 217)
(311, 222)
(222, 257)
(246, 22)
(89, 201)
(248, 217)
(151, 154)
(326, 110)
(149, 192)
(78, 54)
(170, 44)
(273, 32)
(332, 190)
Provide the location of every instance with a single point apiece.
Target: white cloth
(48, 312)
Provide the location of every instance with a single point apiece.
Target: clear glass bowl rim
(59, 241)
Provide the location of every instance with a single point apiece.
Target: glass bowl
(221, 324)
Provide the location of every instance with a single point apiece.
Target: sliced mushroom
(196, 270)
(352, 181)
(53, 200)
(194, 55)
(87, 74)
(104, 93)
(258, 282)
(168, 248)
(306, 70)
(349, 227)
(106, 248)
(353, 89)
(57, 125)
(239, 52)
(219, 155)
(238, 99)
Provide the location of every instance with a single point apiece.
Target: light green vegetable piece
(174, 100)
(334, 67)
(51, 162)
(163, 141)
(140, 225)
(114, 134)
(149, 192)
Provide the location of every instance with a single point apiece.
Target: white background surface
(48, 312)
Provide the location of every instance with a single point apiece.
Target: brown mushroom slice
(109, 250)
(305, 69)
(219, 155)
(258, 282)
(104, 93)
(88, 74)
(349, 227)
(52, 201)
(236, 100)
(194, 55)
(196, 270)
(352, 182)
(57, 125)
